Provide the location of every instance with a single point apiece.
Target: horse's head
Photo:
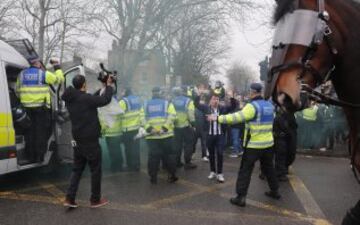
(303, 53)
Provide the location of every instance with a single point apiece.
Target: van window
(12, 72)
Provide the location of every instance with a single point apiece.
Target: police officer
(131, 121)
(33, 90)
(184, 133)
(111, 133)
(258, 115)
(160, 116)
(309, 116)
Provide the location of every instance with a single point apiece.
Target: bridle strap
(321, 5)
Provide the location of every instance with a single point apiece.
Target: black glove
(164, 129)
(149, 129)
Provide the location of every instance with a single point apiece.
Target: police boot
(239, 201)
(172, 178)
(273, 194)
(153, 180)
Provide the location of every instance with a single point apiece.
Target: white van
(12, 143)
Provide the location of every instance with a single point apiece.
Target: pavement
(319, 192)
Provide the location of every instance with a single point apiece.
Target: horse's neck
(346, 78)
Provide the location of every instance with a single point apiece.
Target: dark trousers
(200, 134)
(161, 149)
(247, 165)
(37, 136)
(285, 153)
(86, 152)
(184, 139)
(352, 216)
(132, 150)
(215, 145)
(114, 149)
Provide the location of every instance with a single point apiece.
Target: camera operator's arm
(99, 101)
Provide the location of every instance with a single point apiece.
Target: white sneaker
(205, 159)
(212, 175)
(233, 155)
(220, 178)
(322, 149)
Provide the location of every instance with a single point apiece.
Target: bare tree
(240, 76)
(6, 11)
(39, 20)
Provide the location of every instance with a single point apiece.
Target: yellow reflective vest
(185, 111)
(310, 114)
(258, 117)
(159, 114)
(33, 86)
(133, 118)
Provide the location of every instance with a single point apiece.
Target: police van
(13, 59)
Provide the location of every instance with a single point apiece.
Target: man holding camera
(83, 112)
(34, 93)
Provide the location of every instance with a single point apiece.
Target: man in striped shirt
(215, 133)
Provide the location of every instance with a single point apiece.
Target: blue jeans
(236, 142)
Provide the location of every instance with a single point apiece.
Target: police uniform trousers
(161, 149)
(116, 158)
(86, 152)
(285, 153)
(201, 134)
(132, 150)
(37, 136)
(184, 139)
(249, 158)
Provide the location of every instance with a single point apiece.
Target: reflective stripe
(132, 128)
(34, 104)
(242, 116)
(33, 92)
(260, 143)
(253, 131)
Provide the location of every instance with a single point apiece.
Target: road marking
(163, 211)
(175, 198)
(307, 200)
(54, 191)
(58, 196)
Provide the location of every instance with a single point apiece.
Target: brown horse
(318, 40)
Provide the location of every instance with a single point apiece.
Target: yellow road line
(305, 197)
(307, 200)
(54, 191)
(164, 211)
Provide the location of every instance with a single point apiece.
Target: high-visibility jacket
(310, 114)
(133, 117)
(185, 111)
(33, 86)
(113, 130)
(259, 116)
(160, 113)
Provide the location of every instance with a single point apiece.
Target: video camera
(104, 74)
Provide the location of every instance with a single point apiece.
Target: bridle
(322, 34)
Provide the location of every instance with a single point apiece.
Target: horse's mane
(283, 7)
(286, 6)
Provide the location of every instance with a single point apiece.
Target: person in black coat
(215, 133)
(86, 129)
(285, 134)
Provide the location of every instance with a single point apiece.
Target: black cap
(256, 87)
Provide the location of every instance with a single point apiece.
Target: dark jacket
(206, 109)
(284, 124)
(83, 112)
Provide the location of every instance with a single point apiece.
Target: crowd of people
(172, 126)
(328, 123)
